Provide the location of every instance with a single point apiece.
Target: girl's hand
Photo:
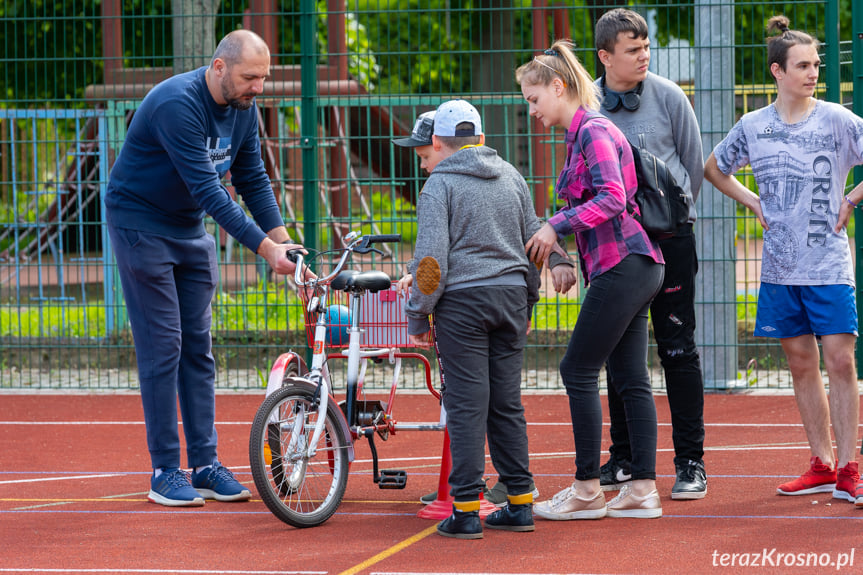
(540, 245)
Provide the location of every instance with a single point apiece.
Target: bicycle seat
(354, 281)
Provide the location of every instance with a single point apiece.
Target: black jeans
(673, 315)
(480, 335)
(612, 328)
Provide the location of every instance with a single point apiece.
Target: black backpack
(663, 206)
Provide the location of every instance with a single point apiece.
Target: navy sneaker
(217, 482)
(512, 518)
(461, 525)
(173, 488)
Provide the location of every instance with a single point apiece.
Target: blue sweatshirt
(179, 146)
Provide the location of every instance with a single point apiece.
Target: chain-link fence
(347, 77)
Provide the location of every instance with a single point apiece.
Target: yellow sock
(466, 505)
(522, 499)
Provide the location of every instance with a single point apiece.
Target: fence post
(831, 38)
(308, 119)
(716, 297)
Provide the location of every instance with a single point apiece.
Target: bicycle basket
(382, 319)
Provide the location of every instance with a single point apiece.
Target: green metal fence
(347, 77)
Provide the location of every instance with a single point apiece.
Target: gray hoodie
(474, 217)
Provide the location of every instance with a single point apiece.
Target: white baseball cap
(454, 112)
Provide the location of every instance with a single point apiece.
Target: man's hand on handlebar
(277, 256)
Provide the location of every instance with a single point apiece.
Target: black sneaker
(614, 474)
(498, 495)
(461, 525)
(512, 518)
(691, 482)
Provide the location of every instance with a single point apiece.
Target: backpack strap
(631, 206)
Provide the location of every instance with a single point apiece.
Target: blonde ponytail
(560, 61)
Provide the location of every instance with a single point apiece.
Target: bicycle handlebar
(356, 243)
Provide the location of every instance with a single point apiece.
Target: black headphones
(629, 100)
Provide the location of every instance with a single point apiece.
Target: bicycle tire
(305, 492)
(273, 439)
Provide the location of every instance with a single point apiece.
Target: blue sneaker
(217, 482)
(173, 488)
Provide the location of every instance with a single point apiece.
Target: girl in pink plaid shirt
(623, 269)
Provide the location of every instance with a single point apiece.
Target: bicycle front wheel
(301, 490)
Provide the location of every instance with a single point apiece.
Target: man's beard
(236, 103)
(240, 104)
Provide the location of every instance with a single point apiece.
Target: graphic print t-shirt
(801, 170)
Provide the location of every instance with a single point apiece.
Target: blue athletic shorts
(789, 311)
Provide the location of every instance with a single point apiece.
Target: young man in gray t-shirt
(801, 151)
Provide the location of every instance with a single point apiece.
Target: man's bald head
(238, 45)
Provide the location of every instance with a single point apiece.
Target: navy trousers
(168, 284)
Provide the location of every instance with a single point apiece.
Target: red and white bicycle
(302, 440)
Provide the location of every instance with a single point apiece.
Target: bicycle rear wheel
(301, 491)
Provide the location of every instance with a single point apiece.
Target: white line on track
(58, 478)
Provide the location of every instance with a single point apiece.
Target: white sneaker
(627, 504)
(566, 505)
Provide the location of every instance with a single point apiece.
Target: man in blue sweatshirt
(188, 132)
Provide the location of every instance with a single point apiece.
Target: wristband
(850, 202)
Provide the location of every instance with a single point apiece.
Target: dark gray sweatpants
(480, 335)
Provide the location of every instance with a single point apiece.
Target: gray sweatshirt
(670, 129)
(474, 217)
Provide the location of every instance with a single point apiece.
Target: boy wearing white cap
(474, 217)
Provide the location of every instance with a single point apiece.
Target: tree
(194, 33)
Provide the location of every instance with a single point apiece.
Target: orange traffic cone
(441, 508)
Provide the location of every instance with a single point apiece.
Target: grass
(257, 309)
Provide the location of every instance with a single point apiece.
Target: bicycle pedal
(393, 479)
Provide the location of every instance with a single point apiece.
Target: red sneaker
(819, 479)
(847, 479)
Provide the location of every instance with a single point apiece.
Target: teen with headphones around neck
(642, 103)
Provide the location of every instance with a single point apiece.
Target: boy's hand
(563, 277)
(845, 212)
(423, 340)
(404, 284)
